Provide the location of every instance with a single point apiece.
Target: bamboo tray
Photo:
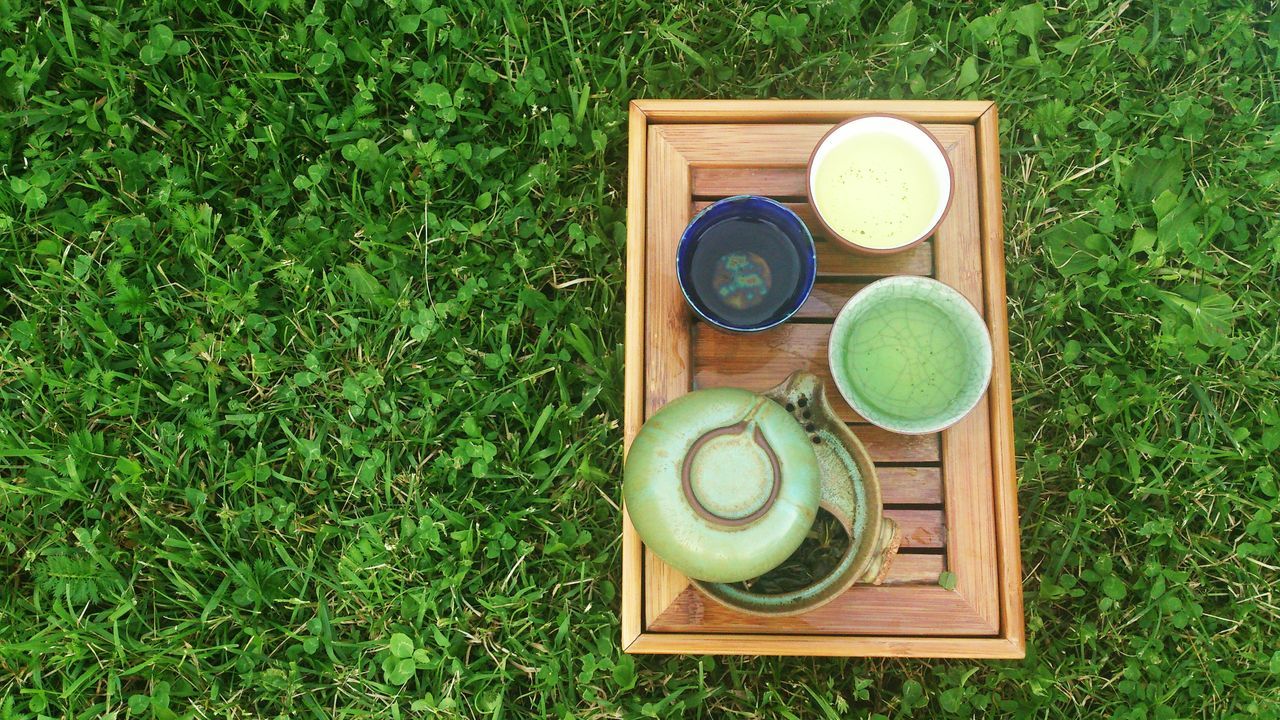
(953, 494)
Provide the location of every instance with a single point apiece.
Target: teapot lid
(722, 484)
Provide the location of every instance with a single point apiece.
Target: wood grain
(633, 367)
(740, 643)
(889, 447)
(807, 111)
(1000, 395)
(663, 584)
(863, 609)
(916, 569)
(799, 207)
(776, 182)
(733, 145)
(667, 371)
(910, 485)
(835, 261)
(666, 317)
(826, 299)
(919, 528)
(966, 446)
(633, 581)
(760, 361)
(637, 210)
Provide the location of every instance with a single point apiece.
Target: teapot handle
(883, 553)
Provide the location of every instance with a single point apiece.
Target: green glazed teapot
(724, 484)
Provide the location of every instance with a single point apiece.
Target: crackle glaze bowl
(724, 485)
(910, 354)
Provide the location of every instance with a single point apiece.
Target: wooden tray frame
(676, 143)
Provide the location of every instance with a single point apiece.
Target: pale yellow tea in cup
(879, 183)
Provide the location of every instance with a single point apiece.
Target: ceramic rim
(807, 281)
(839, 334)
(841, 239)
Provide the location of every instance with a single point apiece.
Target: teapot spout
(883, 553)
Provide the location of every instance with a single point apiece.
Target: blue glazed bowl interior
(746, 263)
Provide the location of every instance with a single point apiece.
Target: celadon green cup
(910, 354)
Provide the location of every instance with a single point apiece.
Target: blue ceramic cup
(746, 263)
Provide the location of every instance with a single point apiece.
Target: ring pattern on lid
(732, 490)
(723, 484)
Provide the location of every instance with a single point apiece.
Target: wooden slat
(637, 211)
(966, 446)
(910, 485)
(835, 261)
(783, 183)
(863, 609)
(734, 360)
(633, 381)
(667, 372)
(632, 620)
(808, 111)
(920, 528)
(803, 209)
(916, 569)
(743, 642)
(663, 584)
(809, 216)
(716, 182)
(889, 447)
(760, 361)
(666, 317)
(764, 146)
(1000, 395)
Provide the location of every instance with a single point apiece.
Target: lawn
(310, 352)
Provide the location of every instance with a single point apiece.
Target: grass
(310, 352)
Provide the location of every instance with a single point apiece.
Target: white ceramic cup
(916, 139)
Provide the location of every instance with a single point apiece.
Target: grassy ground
(310, 327)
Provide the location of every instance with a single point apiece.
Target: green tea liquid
(877, 190)
(908, 358)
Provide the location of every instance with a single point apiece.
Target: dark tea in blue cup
(746, 263)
